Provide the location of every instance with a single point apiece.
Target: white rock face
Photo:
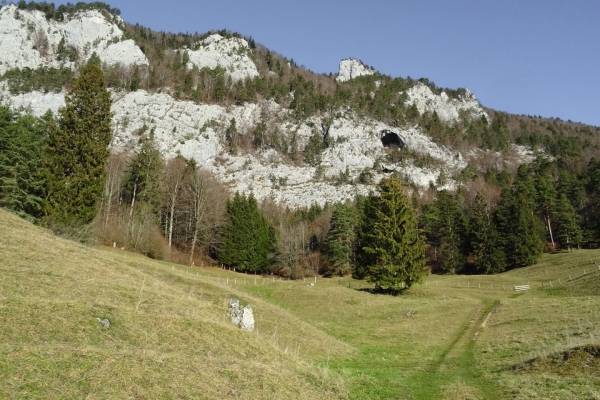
(448, 110)
(179, 126)
(28, 39)
(351, 68)
(231, 54)
(35, 103)
(123, 53)
(198, 131)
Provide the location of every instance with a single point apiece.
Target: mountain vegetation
(58, 170)
(76, 149)
(345, 301)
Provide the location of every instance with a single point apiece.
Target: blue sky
(534, 57)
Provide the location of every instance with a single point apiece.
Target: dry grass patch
(582, 360)
(169, 337)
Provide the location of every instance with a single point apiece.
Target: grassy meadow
(469, 337)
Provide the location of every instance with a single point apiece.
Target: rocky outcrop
(28, 39)
(242, 317)
(351, 68)
(449, 110)
(123, 53)
(232, 54)
(197, 131)
(35, 103)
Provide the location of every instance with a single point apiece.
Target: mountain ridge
(196, 129)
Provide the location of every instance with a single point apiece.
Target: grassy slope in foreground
(170, 335)
(471, 337)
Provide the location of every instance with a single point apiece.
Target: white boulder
(244, 318)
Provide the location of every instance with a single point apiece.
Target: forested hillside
(485, 190)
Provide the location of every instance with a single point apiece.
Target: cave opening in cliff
(391, 139)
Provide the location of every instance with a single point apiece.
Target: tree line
(58, 172)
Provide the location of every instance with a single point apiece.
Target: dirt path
(454, 373)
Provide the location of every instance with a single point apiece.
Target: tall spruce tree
(429, 220)
(452, 230)
(76, 150)
(248, 239)
(21, 181)
(546, 201)
(143, 181)
(593, 190)
(391, 249)
(569, 232)
(485, 243)
(520, 229)
(341, 239)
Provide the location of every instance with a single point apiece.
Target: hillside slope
(169, 334)
(166, 86)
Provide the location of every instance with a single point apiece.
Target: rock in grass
(244, 318)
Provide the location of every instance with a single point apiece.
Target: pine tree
(569, 232)
(593, 189)
(143, 181)
(232, 136)
(21, 181)
(520, 229)
(135, 79)
(451, 227)
(546, 201)
(391, 249)
(313, 150)
(341, 239)
(248, 239)
(430, 222)
(76, 150)
(487, 251)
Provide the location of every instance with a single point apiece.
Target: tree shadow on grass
(383, 291)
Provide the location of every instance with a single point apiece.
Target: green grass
(471, 337)
(170, 335)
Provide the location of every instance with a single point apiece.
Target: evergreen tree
(524, 185)
(593, 189)
(546, 201)
(76, 150)
(569, 232)
(135, 79)
(248, 239)
(452, 229)
(341, 239)
(313, 150)
(391, 249)
(485, 241)
(143, 181)
(21, 181)
(232, 136)
(520, 229)
(430, 223)
(260, 135)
